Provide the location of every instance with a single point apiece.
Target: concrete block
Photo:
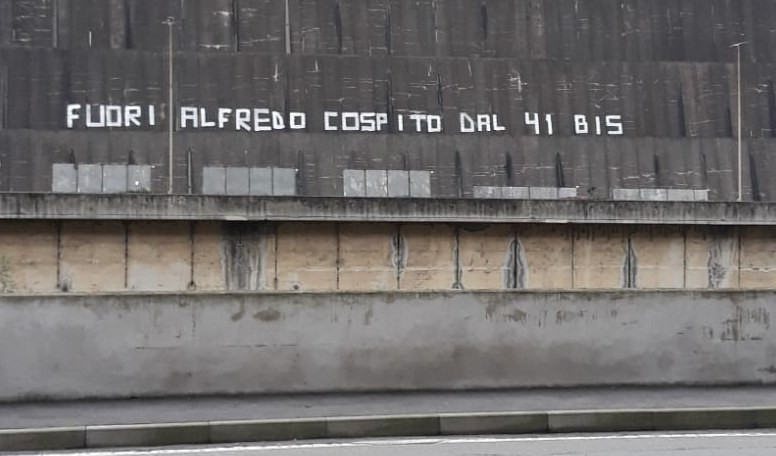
(711, 257)
(659, 256)
(701, 195)
(307, 256)
(283, 181)
(214, 180)
(653, 194)
(420, 184)
(599, 257)
(208, 267)
(114, 179)
(626, 194)
(680, 194)
(61, 438)
(493, 423)
(601, 421)
(428, 258)
(139, 178)
(368, 256)
(398, 183)
(237, 181)
(567, 192)
(28, 257)
(376, 183)
(64, 178)
(486, 192)
(758, 257)
(354, 183)
(92, 256)
(147, 435)
(89, 178)
(260, 181)
(265, 430)
(514, 192)
(158, 256)
(543, 192)
(382, 426)
(486, 257)
(544, 257)
(705, 419)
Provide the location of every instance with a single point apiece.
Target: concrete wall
(74, 346)
(89, 257)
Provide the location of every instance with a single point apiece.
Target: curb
(446, 424)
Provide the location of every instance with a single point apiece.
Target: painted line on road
(418, 441)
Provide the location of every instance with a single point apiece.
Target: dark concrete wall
(664, 65)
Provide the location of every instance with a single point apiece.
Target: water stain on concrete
(267, 315)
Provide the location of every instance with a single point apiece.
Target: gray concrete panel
(237, 181)
(139, 178)
(64, 178)
(376, 183)
(514, 192)
(114, 178)
(283, 181)
(652, 338)
(680, 194)
(398, 183)
(653, 194)
(89, 178)
(543, 192)
(486, 192)
(354, 183)
(420, 184)
(626, 194)
(260, 181)
(213, 180)
(566, 192)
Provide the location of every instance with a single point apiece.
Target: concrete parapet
(72, 346)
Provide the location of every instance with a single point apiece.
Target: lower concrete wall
(75, 346)
(108, 256)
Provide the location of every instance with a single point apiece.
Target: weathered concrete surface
(40, 206)
(100, 256)
(75, 346)
(306, 256)
(92, 256)
(28, 257)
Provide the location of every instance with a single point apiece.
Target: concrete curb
(158, 434)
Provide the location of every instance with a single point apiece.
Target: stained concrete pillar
(544, 257)
(486, 257)
(368, 256)
(712, 257)
(758, 257)
(92, 257)
(657, 256)
(208, 266)
(307, 256)
(159, 256)
(429, 259)
(28, 257)
(600, 257)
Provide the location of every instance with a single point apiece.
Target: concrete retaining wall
(75, 346)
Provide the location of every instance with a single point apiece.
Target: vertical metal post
(739, 118)
(170, 110)
(288, 29)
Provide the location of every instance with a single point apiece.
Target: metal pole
(738, 79)
(170, 111)
(739, 122)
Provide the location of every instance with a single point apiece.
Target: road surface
(654, 444)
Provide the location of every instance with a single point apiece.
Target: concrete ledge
(384, 426)
(47, 206)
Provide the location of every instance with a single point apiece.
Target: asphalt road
(655, 444)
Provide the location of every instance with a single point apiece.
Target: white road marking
(268, 446)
